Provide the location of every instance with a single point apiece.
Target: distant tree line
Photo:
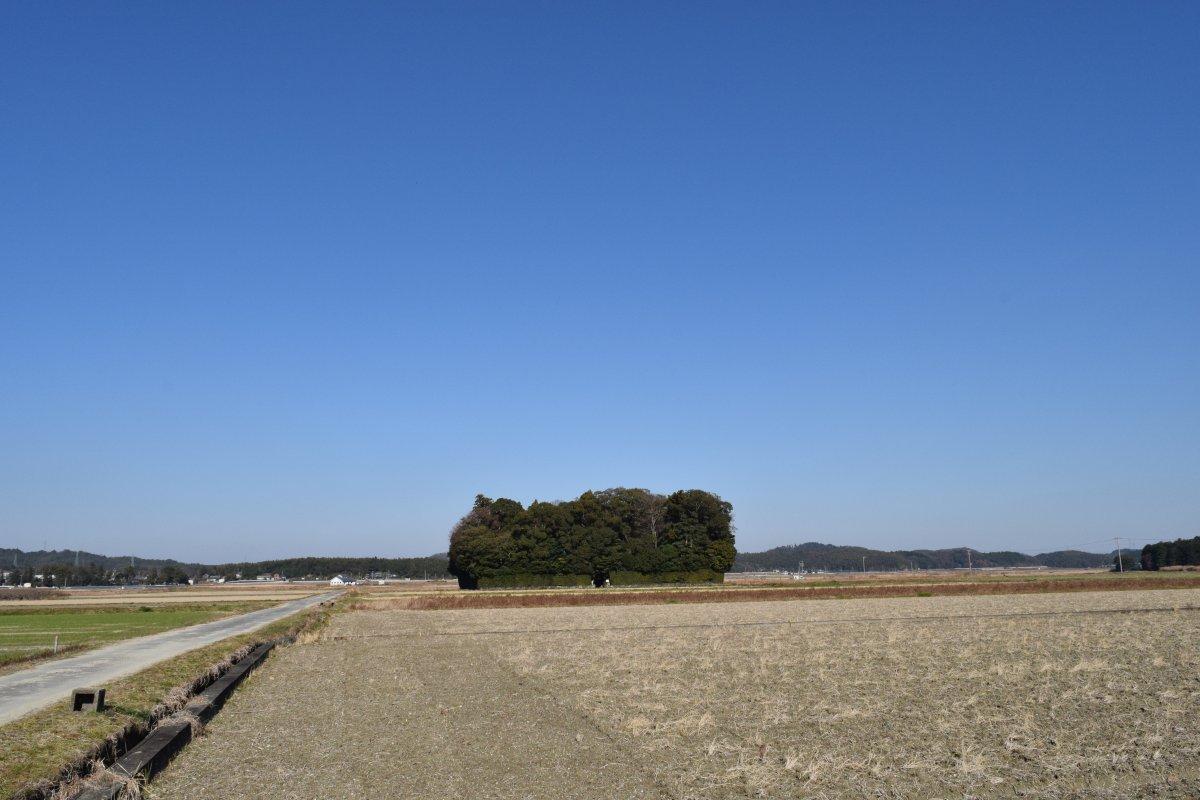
(628, 535)
(1179, 553)
(846, 558)
(318, 567)
(57, 568)
(70, 574)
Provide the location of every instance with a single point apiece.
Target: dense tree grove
(627, 535)
(1179, 553)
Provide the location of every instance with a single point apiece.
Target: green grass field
(28, 634)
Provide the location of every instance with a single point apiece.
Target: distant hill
(39, 558)
(849, 558)
(307, 567)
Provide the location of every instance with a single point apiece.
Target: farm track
(445, 720)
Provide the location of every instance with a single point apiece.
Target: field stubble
(906, 698)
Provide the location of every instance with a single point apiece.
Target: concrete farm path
(31, 689)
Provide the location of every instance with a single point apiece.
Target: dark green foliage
(1179, 553)
(625, 578)
(525, 580)
(591, 538)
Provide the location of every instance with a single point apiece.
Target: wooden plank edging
(170, 736)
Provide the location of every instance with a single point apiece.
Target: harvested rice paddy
(1079, 695)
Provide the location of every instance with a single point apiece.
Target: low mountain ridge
(835, 558)
(11, 556)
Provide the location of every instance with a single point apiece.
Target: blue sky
(304, 278)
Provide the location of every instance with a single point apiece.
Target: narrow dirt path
(383, 718)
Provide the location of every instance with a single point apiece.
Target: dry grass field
(878, 585)
(1080, 695)
(405, 588)
(940, 575)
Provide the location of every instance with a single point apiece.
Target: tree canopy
(594, 536)
(1181, 552)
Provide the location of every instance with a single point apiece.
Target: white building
(340, 580)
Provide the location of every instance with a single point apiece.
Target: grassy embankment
(35, 748)
(27, 634)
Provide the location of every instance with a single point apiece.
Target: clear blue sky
(305, 278)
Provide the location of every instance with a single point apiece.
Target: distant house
(340, 580)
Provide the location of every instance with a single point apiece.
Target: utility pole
(1120, 564)
(864, 558)
(969, 558)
